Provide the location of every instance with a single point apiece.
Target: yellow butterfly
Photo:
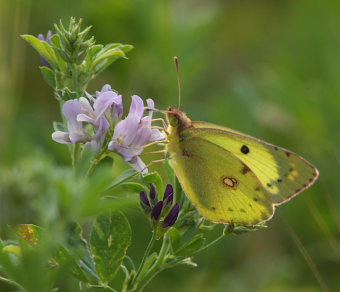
(231, 177)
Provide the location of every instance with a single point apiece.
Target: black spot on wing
(245, 149)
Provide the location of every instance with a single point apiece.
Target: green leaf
(189, 233)
(75, 255)
(48, 75)
(105, 59)
(43, 49)
(193, 245)
(55, 41)
(66, 259)
(175, 237)
(94, 50)
(134, 187)
(126, 48)
(129, 263)
(148, 264)
(169, 173)
(109, 240)
(122, 178)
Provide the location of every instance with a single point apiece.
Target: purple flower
(168, 195)
(134, 132)
(153, 193)
(41, 37)
(172, 217)
(144, 201)
(75, 134)
(163, 213)
(156, 211)
(107, 104)
(116, 110)
(99, 111)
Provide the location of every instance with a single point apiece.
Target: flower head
(97, 111)
(134, 132)
(100, 111)
(163, 213)
(47, 39)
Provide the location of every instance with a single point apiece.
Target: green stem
(157, 266)
(11, 282)
(91, 167)
(149, 277)
(95, 161)
(74, 155)
(218, 239)
(103, 287)
(163, 252)
(146, 254)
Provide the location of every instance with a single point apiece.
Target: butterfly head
(177, 119)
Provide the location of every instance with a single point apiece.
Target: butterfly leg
(150, 164)
(153, 152)
(156, 143)
(165, 126)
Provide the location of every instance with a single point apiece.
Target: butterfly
(231, 177)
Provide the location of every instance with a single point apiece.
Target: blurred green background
(267, 68)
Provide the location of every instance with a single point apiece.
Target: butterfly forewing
(282, 173)
(219, 184)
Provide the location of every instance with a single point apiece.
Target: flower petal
(71, 109)
(61, 137)
(103, 102)
(168, 191)
(138, 165)
(156, 211)
(144, 200)
(137, 106)
(172, 217)
(106, 87)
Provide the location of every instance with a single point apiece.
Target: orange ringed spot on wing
(229, 182)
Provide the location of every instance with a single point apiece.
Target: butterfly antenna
(178, 81)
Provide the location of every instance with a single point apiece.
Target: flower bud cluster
(73, 42)
(163, 213)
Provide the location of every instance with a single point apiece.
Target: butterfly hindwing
(281, 172)
(219, 184)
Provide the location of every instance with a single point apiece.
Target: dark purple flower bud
(168, 201)
(152, 192)
(41, 37)
(156, 211)
(168, 191)
(144, 201)
(172, 217)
